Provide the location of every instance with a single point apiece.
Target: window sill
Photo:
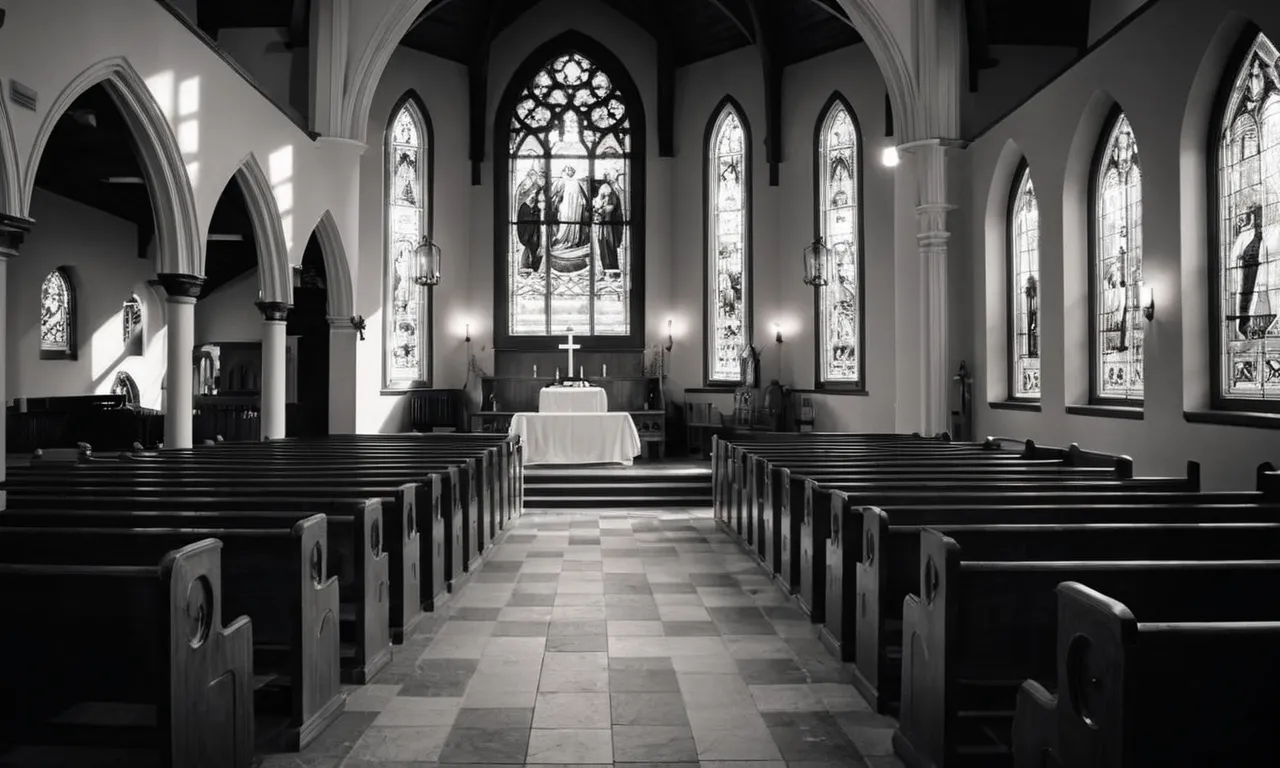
(1107, 411)
(725, 389)
(834, 390)
(1032, 406)
(397, 391)
(1234, 418)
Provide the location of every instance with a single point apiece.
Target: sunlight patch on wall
(280, 174)
(106, 347)
(161, 87)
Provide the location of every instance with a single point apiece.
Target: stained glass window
(840, 301)
(569, 256)
(1024, 285)
(125, 385)
(1248, 256)
(407, 335)
(57, 317)
(728, 289)
(131, 319)
(1116, 276)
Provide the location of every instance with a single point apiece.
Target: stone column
(343, 336)
(181, 292)
(12, 231)
(274, 317)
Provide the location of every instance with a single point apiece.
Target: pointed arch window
(58, 316)
(1246, 264)
(1024, 288)
(728, 200)
(407, 337)
(131, 321)
(838, 175)
(1115, 273)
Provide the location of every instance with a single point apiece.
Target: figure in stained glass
(839, 301)
(1116, 273)
(529, 220)
(609, 227)
(1024, 279)
(406, 341)
(57, 316)
(1248, 259)
(569, 200)
(728, 290)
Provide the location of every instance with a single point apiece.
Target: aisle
(595, 638)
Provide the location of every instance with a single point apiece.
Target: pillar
(274, 317)
(344, 333)
(12, 231)
(181, 292)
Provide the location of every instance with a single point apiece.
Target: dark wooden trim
(833, 389)
(13, 230)
(766, 23)
(1233, 418)
(1092, 205)
(429, 198)
(748, 262)
(178, 285)
(858, 386)
(1117, 29)
(1106, 411)
(662, 25)
(1214, 262)
(407, 388)
(477, 83)
(725, 390)
(274, 311)
(1010, 328)
(72, 352)
(571, 40)
(1015, 405)
(212, 45)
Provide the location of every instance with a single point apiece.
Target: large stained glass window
(57, 317)
(1024, 289)
(1248, 255)
(1118, 324)
(839, 334)
(728, 284)
(407, 305)
(569, 256)
(131, 319)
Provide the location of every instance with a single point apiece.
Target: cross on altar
(570, 346)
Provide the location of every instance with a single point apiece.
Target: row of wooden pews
(209, 602)
(1006, 600)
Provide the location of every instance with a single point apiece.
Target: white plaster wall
(100, 251)
(1164, 70)
(278, 69)
(1022, 69)
(229, 313)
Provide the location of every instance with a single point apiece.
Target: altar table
(572, 400)
(577, 438)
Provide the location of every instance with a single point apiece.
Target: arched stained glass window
(125, 385)
(1247, 273)
(728, 290)
(131, 320)
(1024, 288)
(407, 305)
(569, 228)
(1116, 273)
(58, 316)
(839, 335)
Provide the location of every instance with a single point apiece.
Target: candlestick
(604, 370)
(557, 373)
(535, 371)
(580, 374)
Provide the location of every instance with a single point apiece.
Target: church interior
(732, 383)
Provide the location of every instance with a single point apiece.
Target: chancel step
(650, 486)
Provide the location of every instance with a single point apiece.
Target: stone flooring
(610, 637)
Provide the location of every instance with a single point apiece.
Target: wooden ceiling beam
(978, 32)
(478, 81)
(834, 10)
(300, 24)
(766, 23)
(428, 12)
(660, 21)
(742, 21)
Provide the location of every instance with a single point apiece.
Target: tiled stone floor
(593, 638)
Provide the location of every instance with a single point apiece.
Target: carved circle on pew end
(218, 439)
(199, 611)
(869, 554)
(930, 581)
(37, 453)
(317, 564)
(375, 537)
(1084, 686)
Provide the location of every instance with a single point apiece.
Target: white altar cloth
(572, 400)
(577, 438)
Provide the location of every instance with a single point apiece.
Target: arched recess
(337, 268)
(274, 277)
(10, 177)
(173, 203)
(366, 71)
(996, 259)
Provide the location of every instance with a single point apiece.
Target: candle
(604, 370)
(580, 373)
(535, 371)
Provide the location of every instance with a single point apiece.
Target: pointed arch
(58, 316)
(337, 267)
(408, 338)
(180, 250)
(274, 276)
(1023, 288)
(10, 170)
(727, 242)
(839, 309)
(1244, 230)
(1116, 325)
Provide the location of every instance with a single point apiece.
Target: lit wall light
(1148, 302)
(889, 156)
(777, 332)
(671, 341)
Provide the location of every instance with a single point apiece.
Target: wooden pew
(158, 650)
(1170, 689)
(873, 564)
(979, 627)
(276, 577)
(357, 556)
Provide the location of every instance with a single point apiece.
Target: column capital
(180, 286)
(274, 311)
(13, 230)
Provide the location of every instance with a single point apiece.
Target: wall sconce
(1148, 302)
(427, 256)
(889, 156)
(819, 266)
(468, 334)
(777, 332)
(357, 322)
(671, 342)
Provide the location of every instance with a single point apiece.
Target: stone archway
(10, 178)
(274, 277)
(337, 267)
